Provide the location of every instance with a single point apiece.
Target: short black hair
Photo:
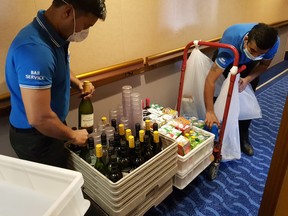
(96, 7)
(264, 36)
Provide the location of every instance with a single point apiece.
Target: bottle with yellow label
(85, 110)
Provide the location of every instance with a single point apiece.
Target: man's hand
(79, 137)
(211, 119)
(90, 93)
(243, 82)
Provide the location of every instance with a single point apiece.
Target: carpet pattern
(239, 186)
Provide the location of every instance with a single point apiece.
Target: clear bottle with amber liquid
(85, 110)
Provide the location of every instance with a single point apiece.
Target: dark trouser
(243, 124)
(29, 144)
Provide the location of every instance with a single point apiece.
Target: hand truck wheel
(213, 170)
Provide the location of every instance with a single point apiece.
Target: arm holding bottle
(77, 84)
(45, 120)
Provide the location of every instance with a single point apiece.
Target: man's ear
(67, 11)
(246, 38)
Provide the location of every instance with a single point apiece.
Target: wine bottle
(110, 153)
(139, 159)
(131, 151)
(122, 132)
(137, 129)
(85, 110)
(104, 147)
(148, 149)
(114, 124)
(155, 126)
(124, 159)
(147, 127)
(117, 142)
(91, 147)
(115, 174)
(141, 139)
(99, 164)
(104, 121)
(128, 133)
(157, 144)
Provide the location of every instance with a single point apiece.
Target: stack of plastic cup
(124, 120)
(97, 137)
(120, 113)
(136, 105)
(113, 114)
(126, 102)
(109, 130)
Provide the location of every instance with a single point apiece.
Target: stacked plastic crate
(137, 192)
(193, 163)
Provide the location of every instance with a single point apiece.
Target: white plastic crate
(28, 188)
(192, 164)
(187, 162)
(182, 181)
(136, 191)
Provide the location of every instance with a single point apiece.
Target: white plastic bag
(231, 139)
(249, 106)
(197, 68)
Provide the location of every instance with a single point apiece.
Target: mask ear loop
(74, 19)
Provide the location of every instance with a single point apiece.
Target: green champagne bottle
(115, 174)
(99, 164)
(85, 110)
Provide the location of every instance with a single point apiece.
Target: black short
(30, 144)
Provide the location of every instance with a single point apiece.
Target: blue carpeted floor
(239, 186)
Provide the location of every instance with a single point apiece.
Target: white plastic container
(28, 188)
(192, 164)
(181, 181)
(138, 191)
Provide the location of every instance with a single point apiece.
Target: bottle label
(87, 120)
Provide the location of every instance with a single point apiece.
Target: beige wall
(136, 29)
(110, 43)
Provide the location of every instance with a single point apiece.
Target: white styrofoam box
(28, 188)
(134, 189)
(181, 182)
(187, 162)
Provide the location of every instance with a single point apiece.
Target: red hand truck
(214, 166)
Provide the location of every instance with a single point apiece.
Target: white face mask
(77, 36)
(250, 56)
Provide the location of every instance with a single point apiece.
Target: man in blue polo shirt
(39, 79)
(257, 44)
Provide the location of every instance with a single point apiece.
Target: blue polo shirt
(234, 35)
(38, 59)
